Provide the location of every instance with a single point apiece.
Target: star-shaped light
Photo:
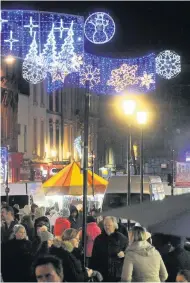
(61, 28)
(58, 71)
(1, 22)
(147, 80)
(11, 40)
(31, 26)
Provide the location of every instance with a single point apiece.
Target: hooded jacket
(143, 263)
(61, 224)
(75, 223)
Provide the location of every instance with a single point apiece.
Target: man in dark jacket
(108, 251)
(74, 218)
(7, 216)
(177, 259)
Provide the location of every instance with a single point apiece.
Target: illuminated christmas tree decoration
(78, 146)
(61, 28)
(34, 67)
(168, 64)
(90, 74)
(31, 26)
(50, 52)
(99, 28)
(146, 80)
(67, 51)
(123, 77)
(11, 40)
(2, 21)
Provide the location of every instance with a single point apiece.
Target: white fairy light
(147, 80)
(61, 28)
(123, 77)
(11, 40)
(90, 74)
(31, 26)
(2, 21)
(34, 67)
(168, 64)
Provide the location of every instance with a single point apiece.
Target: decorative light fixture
(99, 28)
(168, 64)
(31, 26)
(11, 40)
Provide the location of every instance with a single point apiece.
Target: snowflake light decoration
(168, 64)
(90, 74)
(123, 77)
(34, 68)
(11, 40)
(99, 28)
(147, 80)
(77, 62)
(58, 71)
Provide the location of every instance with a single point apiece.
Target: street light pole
(142, 165)
(92, 164)
(129, 166)
(85, 167)
(173, 169)
(7, 177)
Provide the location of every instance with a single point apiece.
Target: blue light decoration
(99, 28)
(114, 76)
(3, 165)
(21, 25)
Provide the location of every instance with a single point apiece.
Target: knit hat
(90, 219)
(65, 212)
(45, 236)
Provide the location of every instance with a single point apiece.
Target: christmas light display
(99, 28)
(34, 68)
(90, 74)
(147, 80)
(3, 164)
(61, 28)
(78, 146)
(23, 23)
(118, 75)
(168, 64)
(31, 26)
(2, 21)
(11, 40)
(123, 77)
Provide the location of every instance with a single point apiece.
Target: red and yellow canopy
(69, 181)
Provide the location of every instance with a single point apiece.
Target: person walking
(143, 263)
(74, 218)
(62, 223)
(108, 251)
(29, 226)
(177, 258)
(8, 222)
(16, 257)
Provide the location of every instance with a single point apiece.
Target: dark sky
(141, 27)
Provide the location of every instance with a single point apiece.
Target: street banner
(182, 174)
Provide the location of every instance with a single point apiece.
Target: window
(51, 101)
(35, 135)
(42, 94)
(57, 137)
(25, 138)
(42, 139)
(51, 133)
(35, 95)
(57, 104)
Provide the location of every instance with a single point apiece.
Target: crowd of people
(44, 245)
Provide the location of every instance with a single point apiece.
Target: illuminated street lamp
(142, 120)
(129, 107)
(10, 59)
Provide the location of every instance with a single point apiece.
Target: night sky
(141, 27)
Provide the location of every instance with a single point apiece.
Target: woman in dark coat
(16, 257)
(73, 269)
(108, 251)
